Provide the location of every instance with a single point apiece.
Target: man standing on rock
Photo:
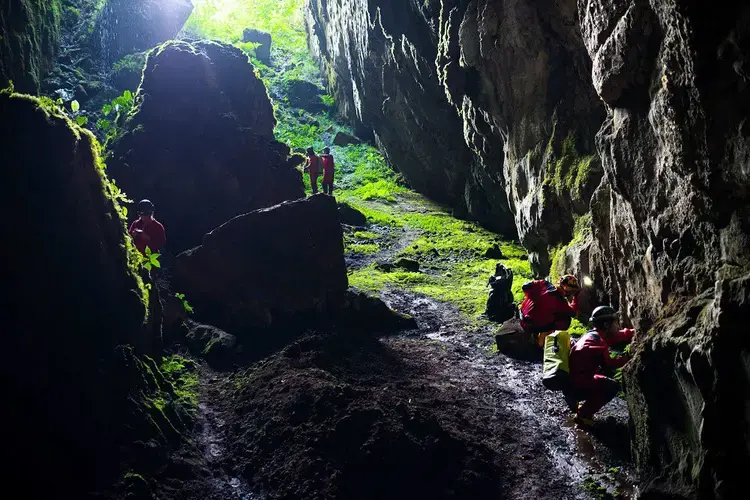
(328, 168)
(588, 357)
(147, 231)
(312, 167)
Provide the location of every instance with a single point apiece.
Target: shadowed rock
(263, 51)
(200, 143)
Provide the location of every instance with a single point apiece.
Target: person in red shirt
(312, 166)
(545, 307)
(147, 231)
(588, 356)
(328, 168)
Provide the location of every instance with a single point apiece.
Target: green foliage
(131, 62)
(82, 120)
(569, 171)
(247, 47)
(581, 230)
(182, 373)
(74, 106)
(327, 100)
(185, 304)
(226, 19)
(151, 260)
(121, 107)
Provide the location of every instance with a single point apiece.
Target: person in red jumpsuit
(588, 357)
(147, 231)
(328, 167)
(545, 307)
(312, 167)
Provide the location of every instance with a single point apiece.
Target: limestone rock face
(268, 268)
(200, 143)
(75, 379)
(128, 26)
(379, 60)
(30, 39)
(519, 78)
(672, 225)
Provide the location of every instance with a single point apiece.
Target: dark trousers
(595, 393)
(314, 182)
(328, 188)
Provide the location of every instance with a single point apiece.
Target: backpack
(556, 367)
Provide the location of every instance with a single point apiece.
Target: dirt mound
(332, 417)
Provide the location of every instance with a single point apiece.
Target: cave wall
(509, 79)
(672, 230)
(378, 59)
(30, 39)
(81, 329)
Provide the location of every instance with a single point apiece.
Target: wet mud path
(447, 369)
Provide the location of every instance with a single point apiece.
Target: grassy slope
(450, 251)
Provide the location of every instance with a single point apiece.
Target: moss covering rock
(78, 382)
(29, 39)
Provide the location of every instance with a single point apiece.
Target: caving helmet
(569, 284)
(145, 207)
(603, 315)
(327, 151)
(310, 151)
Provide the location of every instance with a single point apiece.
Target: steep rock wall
(30, 37)
(518, 79)
(77, 380)
(672, 228)
(378, 58)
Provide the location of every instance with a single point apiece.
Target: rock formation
(127, 26)
(672, 227)
(378, 57)
(78, 386)
(30, 37)
(263, 51)
(267, 268)
(200, 142)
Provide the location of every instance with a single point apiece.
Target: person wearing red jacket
(328, 167)
(545, 307)
(312, 167)
(147, 231)
(588, 356)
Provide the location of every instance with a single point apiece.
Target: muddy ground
(430, 413)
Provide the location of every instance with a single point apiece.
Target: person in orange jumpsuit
(328, 169)
(312, 167)
(588, 357)
(147, 231)
(545, 307)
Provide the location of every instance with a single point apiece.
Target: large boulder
(263, 50)
(200, 142)
(127, 26)
(30, 39)
(272, 268)
(77, 385)
(671, 223)
(304, 94)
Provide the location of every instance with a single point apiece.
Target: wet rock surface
(203, 153)
(671, 225)
(127, 26)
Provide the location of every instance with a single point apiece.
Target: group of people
(316, 164)
(548, 308)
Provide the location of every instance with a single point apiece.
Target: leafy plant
(120, 106)
(181, 297)
(75, 106)
(151, 260)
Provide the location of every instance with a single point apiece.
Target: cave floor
(448, 369)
